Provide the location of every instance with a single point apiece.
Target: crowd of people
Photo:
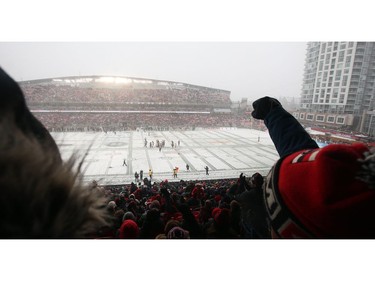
(80, 121)
(99, 108)
(214, 209)
(47, 93)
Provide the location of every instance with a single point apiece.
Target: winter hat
(129, 230)
(111, 205)
(323, 193)
(197, 192)
(155, 204)
(178, 233)
(161, 236)
(128, 216)
(222, 217)
(215, 211)
(170, 224)
(256, 180)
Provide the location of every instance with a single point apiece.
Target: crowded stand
(213, 209)
(86, 121)
(69, 94)
(73, 105)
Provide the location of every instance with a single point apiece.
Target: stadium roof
(115, 81)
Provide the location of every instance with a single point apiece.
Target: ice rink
(226, 151)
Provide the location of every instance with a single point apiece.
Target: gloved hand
(242, 182)
(263, 106)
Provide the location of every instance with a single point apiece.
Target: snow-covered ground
(226, 151)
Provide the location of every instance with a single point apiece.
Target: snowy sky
(247, 69)
(249, 49)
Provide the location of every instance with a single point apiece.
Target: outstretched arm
(286, 132)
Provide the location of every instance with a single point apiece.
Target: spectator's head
(175, 197)
(129, 230)
(111, 206)
(235, 206)
(153, 214)
(256, 181)
(215, 211)
(119, 214)
(155, 204)
(324, 193)
(169, 225)
(41, 197)
(178, 233)
(222, 218)
(208, 204)
(129, 216)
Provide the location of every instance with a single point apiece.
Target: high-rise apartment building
(339, 86)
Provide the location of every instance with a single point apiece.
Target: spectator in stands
(254, 217)
(311, 192)
(190, 223)
(205, 212)
(236, 217)
(119, 214)
(49, 201)
(221, 226)
(129, 230)
(112, 207)
(152, 225)
(169, 225)
(128, 216)
(121, 202)
(178, 233)
(192, 200)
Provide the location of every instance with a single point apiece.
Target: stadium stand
(122, 103)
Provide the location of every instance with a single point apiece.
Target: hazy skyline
(247, 69)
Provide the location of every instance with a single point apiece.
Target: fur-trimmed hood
(40, 195)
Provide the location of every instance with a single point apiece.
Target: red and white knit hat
(319, 193)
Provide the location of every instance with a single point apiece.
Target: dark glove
(242, 180)
(263, 106)
(243, 185)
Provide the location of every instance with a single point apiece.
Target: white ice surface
(226, 151)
